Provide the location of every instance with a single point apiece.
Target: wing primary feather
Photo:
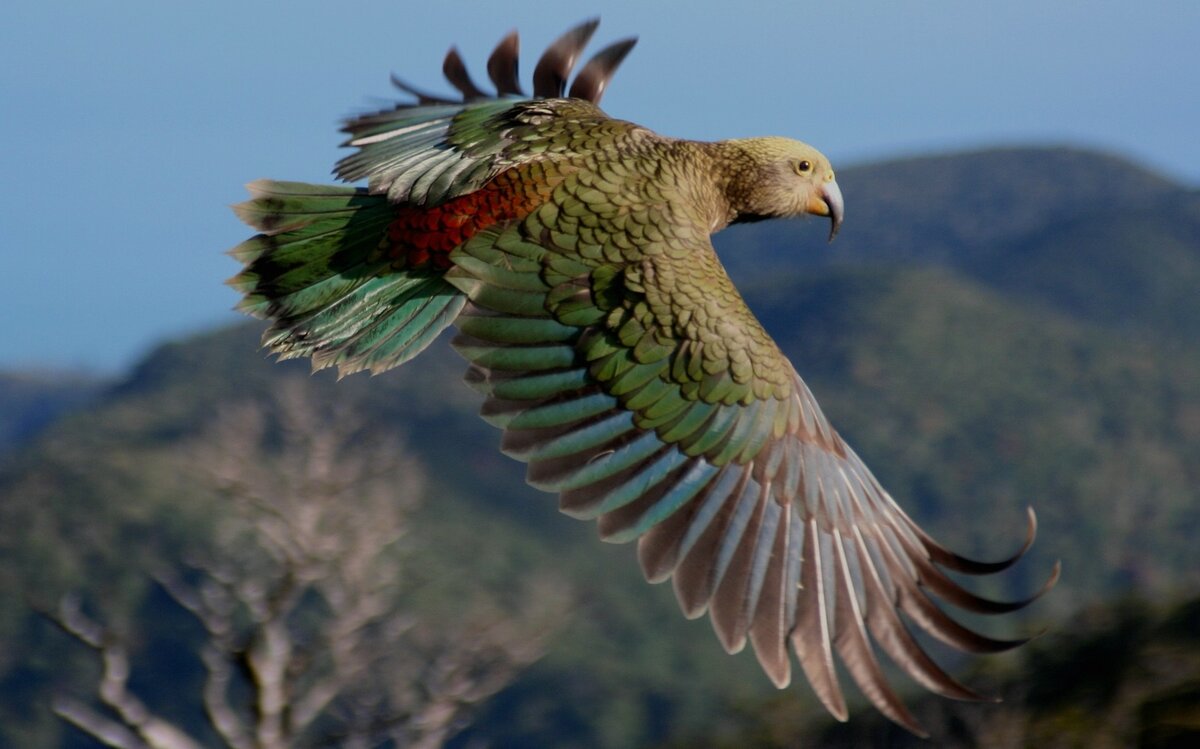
(891, 634)
(810, 637)
(911, 599)
(936, 622)
(619, 490)
(502, 65)
(701, 568)
(423, 97)
(937, 581)
(499, 412)
(795, 561)
(728, 607)
(764, 546)
(550, 75)
(593, 78)
(658, 550)
(456, 72)
(665, 545)
(594, 465)
(950, 560)
(657, 504)
(768, 633)
(750, 494)
(447, 181)
(419, 191)
(855, 649)
(407, 131)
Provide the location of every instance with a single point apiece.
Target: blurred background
(1008, 318)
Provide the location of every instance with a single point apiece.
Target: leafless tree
(310, 640)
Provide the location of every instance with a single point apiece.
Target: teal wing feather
(730, 478)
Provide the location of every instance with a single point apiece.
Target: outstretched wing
(626, 370)
(435, 148)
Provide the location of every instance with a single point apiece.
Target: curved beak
(832, 194)
(827, 201)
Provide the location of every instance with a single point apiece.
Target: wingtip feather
(550, 74)
(593, 79)
(502, 65)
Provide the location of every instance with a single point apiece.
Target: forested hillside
(31, 400)
(991, 331)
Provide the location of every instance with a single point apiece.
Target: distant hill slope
(971, 396)
(31, 400)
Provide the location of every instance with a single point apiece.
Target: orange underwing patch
(420, 236)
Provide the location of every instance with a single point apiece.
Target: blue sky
(129, 127)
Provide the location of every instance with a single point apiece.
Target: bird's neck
(734, 173)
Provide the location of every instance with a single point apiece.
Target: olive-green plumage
(573, 253)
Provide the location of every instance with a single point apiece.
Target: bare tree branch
(302, 599)
(104, 730)
(138, 727)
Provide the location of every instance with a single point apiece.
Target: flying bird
(572, 252)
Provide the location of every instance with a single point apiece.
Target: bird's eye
(803, 167)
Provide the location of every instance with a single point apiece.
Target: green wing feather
(712, 453)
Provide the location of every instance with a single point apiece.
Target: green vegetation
(991, 331)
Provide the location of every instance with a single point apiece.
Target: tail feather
(405, 318)
(316, 270)
(276, 199)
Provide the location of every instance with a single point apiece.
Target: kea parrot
(572, 252)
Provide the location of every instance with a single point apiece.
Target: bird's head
(780, 177)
